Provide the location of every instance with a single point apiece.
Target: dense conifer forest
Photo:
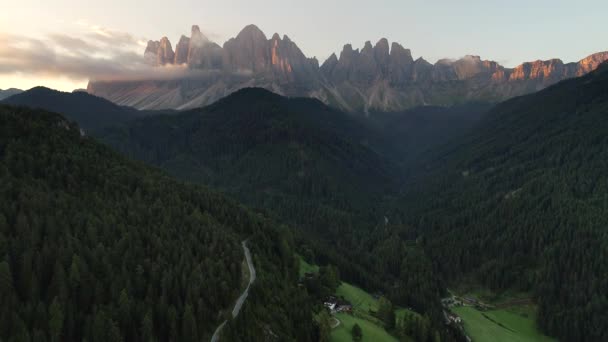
(96, 247)
(521, 204)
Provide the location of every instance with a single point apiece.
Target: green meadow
(371, 331)
(306, 267)
(362, 302)
(515, 324)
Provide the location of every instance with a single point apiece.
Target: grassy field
(359, 298)
(512, 324)
(371, 331)
(362, 302)
(306, 267)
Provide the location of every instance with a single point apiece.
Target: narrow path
(336, 323)
(239, 302)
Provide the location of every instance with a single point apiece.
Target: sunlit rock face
(590, 63)
(378, 77)
(248, 51)
(181, 50)
(165, 54)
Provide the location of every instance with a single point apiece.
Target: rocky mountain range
(381, 77)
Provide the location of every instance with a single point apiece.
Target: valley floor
(362, 303)
(514, 324)
(505, 318)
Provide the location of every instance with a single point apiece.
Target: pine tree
(356, 332)
(56, 317)
(189, 329)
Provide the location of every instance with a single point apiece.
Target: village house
(336, 305)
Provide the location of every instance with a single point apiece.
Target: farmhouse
(338, 305)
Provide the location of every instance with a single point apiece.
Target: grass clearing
(371, 331)
(400, 312)
(306, 267)
(363, 302)
(358, 297)
(502, 325)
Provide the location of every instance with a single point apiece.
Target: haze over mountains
(380, 77)
(8, 93)
(92, 113)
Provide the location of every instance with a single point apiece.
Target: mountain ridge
(93, 113)
(381, 77)
(6, 93)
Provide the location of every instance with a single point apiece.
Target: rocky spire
(196, 47)
(165, 53)
(181, 50)
(249, 51)
(381, 55)
(330, 63)
(400, 67)
(151, 52)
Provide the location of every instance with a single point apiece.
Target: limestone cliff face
(590, 63)
(165, 54)
(400, 65)
(248, 52)
(151, 52)
(181, 50)
(379, 77)
(288, 62)
(199, 54)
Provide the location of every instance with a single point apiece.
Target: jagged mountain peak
(374, 77)
(251, 31)
(382, 48)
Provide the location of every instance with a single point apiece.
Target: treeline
(96, 247)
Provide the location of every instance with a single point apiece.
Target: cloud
(96, 54)
(73, 44)
(62, 55)
(110, 37)
(110, 56)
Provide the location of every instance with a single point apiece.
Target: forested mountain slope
(522, 203)
(316, 168)
(414, 133)
(96, 247)
(92, 113)
(312, 165)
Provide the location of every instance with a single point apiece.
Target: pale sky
(70, 31)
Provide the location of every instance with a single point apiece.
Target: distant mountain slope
(415, 132)
(91, 112)
(521, 203)
(296, 156)
(381, 77)
(9, 92)
(97, 247)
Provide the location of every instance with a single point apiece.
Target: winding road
(242, 297)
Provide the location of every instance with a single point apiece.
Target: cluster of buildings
(336, 305)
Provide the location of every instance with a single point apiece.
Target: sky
(63, 43)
